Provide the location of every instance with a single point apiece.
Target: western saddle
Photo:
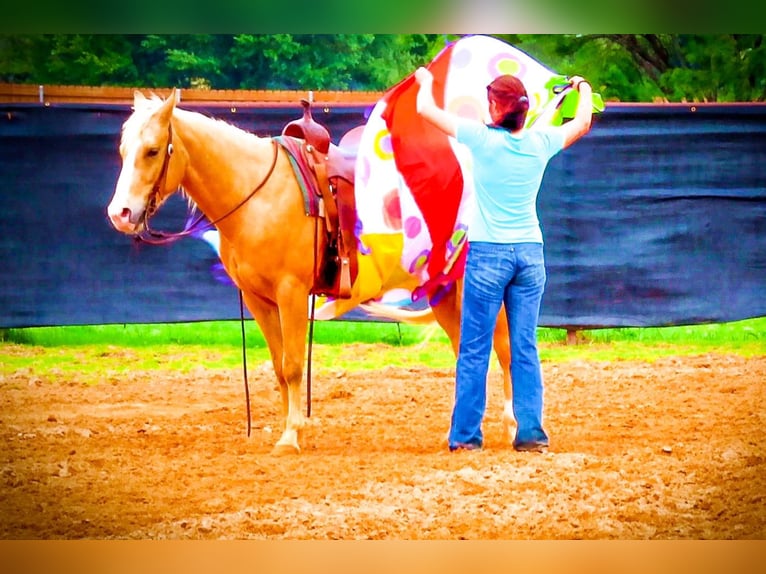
(332, 168)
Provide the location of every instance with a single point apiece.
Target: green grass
(218, 333)
(228, 333)
(96, 353)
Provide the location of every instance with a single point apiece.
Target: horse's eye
(152, 152)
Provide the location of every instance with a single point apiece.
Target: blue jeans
(497, 273)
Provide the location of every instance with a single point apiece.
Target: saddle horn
(306, 128)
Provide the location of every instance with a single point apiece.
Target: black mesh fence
(656, 217)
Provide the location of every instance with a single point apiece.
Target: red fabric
(425, 159)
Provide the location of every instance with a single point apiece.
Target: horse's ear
(174, 96)
(166, 110)
(138, 99)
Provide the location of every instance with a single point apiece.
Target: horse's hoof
(285, 450)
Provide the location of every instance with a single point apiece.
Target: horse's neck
(223, 161)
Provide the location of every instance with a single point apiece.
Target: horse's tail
(424, 317)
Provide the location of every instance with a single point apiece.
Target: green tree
(722, 68)
(265, 61)
(182, 60)
(649, 67)
(324, 61)
(79, 59)
(625, 67)
(608, 66)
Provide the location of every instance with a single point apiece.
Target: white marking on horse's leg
(287, 443)
(290, 379)
(509, 422)
(295, 421)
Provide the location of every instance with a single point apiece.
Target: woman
(505, 262)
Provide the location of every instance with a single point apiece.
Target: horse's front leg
(293, 314)
(269, 318)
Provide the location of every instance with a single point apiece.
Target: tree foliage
(625, 67)
(664, 67)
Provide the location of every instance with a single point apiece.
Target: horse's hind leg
(447, 314)
(502, 343)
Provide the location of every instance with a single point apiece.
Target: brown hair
(510, 96)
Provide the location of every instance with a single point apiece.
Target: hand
(575, 82)
(423, 76)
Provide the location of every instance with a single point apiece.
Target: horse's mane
(142, 113)
(215, 123)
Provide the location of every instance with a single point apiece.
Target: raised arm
(426, 106)
(580, 124)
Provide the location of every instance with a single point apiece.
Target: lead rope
(308, 368)
(244, 359)
(311, 323)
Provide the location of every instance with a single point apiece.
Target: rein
(153, 237)
(311, 322)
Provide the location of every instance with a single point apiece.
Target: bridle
(149, 235)
(159, 185)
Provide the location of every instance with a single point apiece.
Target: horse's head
(150, 173)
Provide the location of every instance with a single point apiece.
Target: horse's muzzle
(125, 220)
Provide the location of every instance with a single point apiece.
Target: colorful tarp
(413, 182)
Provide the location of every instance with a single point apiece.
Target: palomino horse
(266, 238)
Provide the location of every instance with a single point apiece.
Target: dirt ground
(672, 449)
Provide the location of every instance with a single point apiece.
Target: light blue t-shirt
(507, 172)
